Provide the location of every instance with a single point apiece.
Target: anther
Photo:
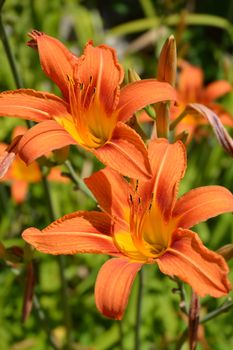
(136, 187)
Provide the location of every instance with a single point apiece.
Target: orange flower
(93, 109)
(143, 223)
(20, 175)
(190, 89)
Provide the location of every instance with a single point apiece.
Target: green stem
(8, 51)
(43, 321)
(211, 315)
(177, 120)
(138, 312)
(61, 264)
(77, 181)
(223, 308)
(121, 335)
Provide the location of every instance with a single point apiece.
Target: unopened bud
(133, 76)
(168, 62)
(226, 251)
(60, 155)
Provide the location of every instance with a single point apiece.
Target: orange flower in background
(92, 111)
(191, 89)
(20, 175)
(143, 223)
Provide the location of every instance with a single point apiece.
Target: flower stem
(43, 321)
(227, 305)
(139, 311)
(61, 264)
(193, 320)
(177, 120)
(77, 181)
(8, 51)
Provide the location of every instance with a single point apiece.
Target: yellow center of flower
(88, 124)
(149, 235)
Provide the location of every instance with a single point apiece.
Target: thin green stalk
(137, 344)
(121, 335)
(8, 51)
(177, 120)
(43, 320)
(211, 315)
(77, 180)
(61, 264)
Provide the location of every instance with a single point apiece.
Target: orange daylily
(20, 175)
(191, 89)
(92, 111)
(143, 223)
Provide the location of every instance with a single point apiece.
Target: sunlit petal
(32, 105)
(56, 60)
(41, 139)
(188, 259)
(201, 204)
(141, 93)
(125, 153)
(113, 286)
(79, 232)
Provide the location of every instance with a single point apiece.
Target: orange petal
(217, 89)
(168, 164)
(201, 204)
(43, 138)
(192, 262)
(19, 191)
(98, 67)
(221, 133)
(79, 232)
(141, 93)
(126, 153)
(56, 60)
(113, 286)
(111, 191)
(31, 105)
(190, 82)
(8, 155)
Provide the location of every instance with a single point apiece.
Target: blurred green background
(137, 29)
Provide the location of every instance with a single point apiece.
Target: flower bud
(226, 251)
(168, 62)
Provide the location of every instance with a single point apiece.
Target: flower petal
(141, 93)
(217, 89)
(32, 105)
(79, 232)
(192, 262)
(190, 82)
(19, 191)
(8, 154)
(111, 191)
(56, 60)
(98, 67)
(43, 138)
(168, 164)
(126, 153)
(201, 204)
(113, 286)
(221, 133)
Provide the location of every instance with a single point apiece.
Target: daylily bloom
(143, 223)
(20, 175)
(191, 89)
(93, 109)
